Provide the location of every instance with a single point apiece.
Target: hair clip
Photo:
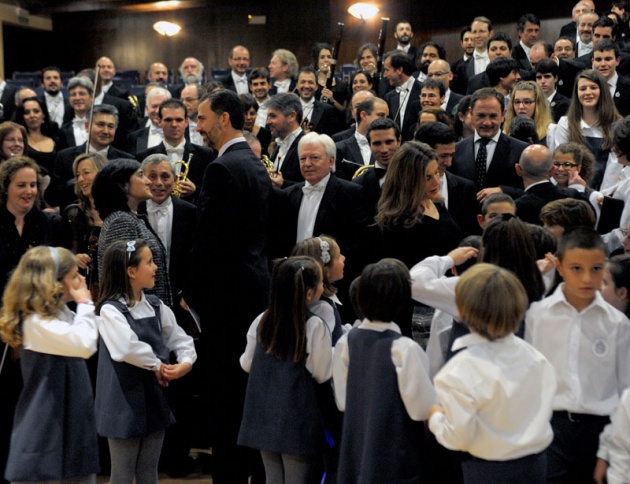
(325, 248)
(131, 247)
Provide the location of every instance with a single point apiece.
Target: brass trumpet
(183, 175)
(268, 164)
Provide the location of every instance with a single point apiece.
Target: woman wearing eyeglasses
(573, 165)
(528, 99)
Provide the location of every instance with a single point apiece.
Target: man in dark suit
(7, 99)
(440, 69)
(546, 78)
(605, 61)
(157, 75)
(481, 29)
(570, 29)
(384, 137)
(174, 121)
(357, 98)
(316, 115)
(60, 193)
(536, 167)
(150, 134)
(404, 100)
(354, 152)
(403, 35)
(53, 95)
(239, 61)
(229, 279)
(458, 193)
(284, 118)
(283, 68)
(107, 71)
(527, 29)
(488, 157)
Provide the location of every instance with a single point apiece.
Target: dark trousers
(572, 455)
(531, 469)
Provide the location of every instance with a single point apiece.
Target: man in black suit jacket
(547, 77)
(229, 279)
(284, 118)
(239, 61)
(440, 69)
(459, 194)
(404, 100)
(150, 134)
(174, 121)
(283, 68)
(107, 71)
(354, 152)
(316, 116)
(356, 99)
(536, 166)
(502, 152)
(605, 61)
(60, 193)
(7, 100)
(527, 29)
(403, 35)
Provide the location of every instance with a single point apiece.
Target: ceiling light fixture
(363, 11)
(166, 28)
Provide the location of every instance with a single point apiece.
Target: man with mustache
(316, 115)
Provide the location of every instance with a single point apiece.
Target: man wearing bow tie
(173, 120)
(404, 100)
(284, 117)
(239, 62)
(481, 29)
(354, 152)
(150, 134)
(316, 115)
(60, 193)
(283, 68)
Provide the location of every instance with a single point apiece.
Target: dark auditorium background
(84, 30)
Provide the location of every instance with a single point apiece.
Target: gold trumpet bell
(183, 175)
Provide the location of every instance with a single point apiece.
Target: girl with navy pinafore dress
(54, 436)
(138, 332)
(288, 351)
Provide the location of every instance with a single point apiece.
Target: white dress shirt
(364, 146)
(175, 153)
(56, 108)
(240, 83)
(404, 93)
(283, 147)
(525, 48)
(161, 220)
(430, 286)
(447, 96)
(261, 114)
(79, 130)
(588, 350)
(409, 360)
(614, 443)
(67, 334)
(488, 393)
(311, 198)
(318, 348)
(583, 48)
(612, 84)
(481, 61)
(444, 190)
(156, 136)
(195, 137)
(283, 86)
(307, 109)
(123, 343)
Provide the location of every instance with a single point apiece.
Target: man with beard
(316, 115)
(191, 71)
(403, 35)
(428, 52)
(259, 85)
(56, 104)
(239, 61)
(585, 32)
(283, 120)
(229, 281)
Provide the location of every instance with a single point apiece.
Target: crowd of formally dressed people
(275, 229)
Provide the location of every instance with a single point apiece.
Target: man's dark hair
(50, 68)
(366, 106)
(604, 21)
(172, 104)
(580, 237)
(621, 136)
(528, 17)
(381, 124)
(440, 49)
(435, 134)
(438, 84)
(259, 73)
(398, 59)
(226, 101)
(547, 66)
(501, 67)
(564, 37)
(501, 37)
(287, 103)
(106, 109)
(308, 70)
(486, 93)
(463, 32)
(607, 44)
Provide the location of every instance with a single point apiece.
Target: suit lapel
(329, 194)
(316, 115)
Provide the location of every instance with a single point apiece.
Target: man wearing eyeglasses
(536, 167)
(440, 69)
(190, 97)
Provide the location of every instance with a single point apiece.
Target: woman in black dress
(42, 133)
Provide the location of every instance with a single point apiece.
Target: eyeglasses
(437, 74)
(19, 141)
(524, 102)
(566, 165)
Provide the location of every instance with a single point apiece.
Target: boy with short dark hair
(382, 383)
(586, 340)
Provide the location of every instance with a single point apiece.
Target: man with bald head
(536, 168)
(158, 72)
(440, 69)
(107, 71)
(239, 61)
(357, 98)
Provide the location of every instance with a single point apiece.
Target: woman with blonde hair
(528, 98)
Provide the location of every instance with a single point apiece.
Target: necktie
(480, 163)
(155, 130)
(400, 89)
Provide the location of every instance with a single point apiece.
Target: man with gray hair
(102, 131)
(151, 134)
(284, 117)
(536, 167)
(570, 29)
(191, 71)
(283, 69)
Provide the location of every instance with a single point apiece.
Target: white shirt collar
(495, 138)
(321, 183)
(525, 48)
(379, 326)
(233, 141)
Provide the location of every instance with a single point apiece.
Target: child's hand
(160, 378)
(546, 264)
(173, 372)
(81, 293)
(600, 471)
(435, 409)
(462, 254)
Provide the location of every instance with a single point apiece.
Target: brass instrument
(266, 161)
(361, 171)
(183, 175)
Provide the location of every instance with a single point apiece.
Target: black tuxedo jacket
(519, 54)
(349, 150)
(501, 172)
(138, 140)
(529, 205)
(291, 165)
(482, 80)
(453, 101)
(323, 119)
(465, 71)
(456, 84)
(66, 136)
(8, 102)
(462, 203)
(274, 90)
(341, 135)
(411, 112)
(118, 92)
(568, 71)
(569, 30)
(60, 192)
(622, 96)
(370, 182)
(201, 158)
(559, 106)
